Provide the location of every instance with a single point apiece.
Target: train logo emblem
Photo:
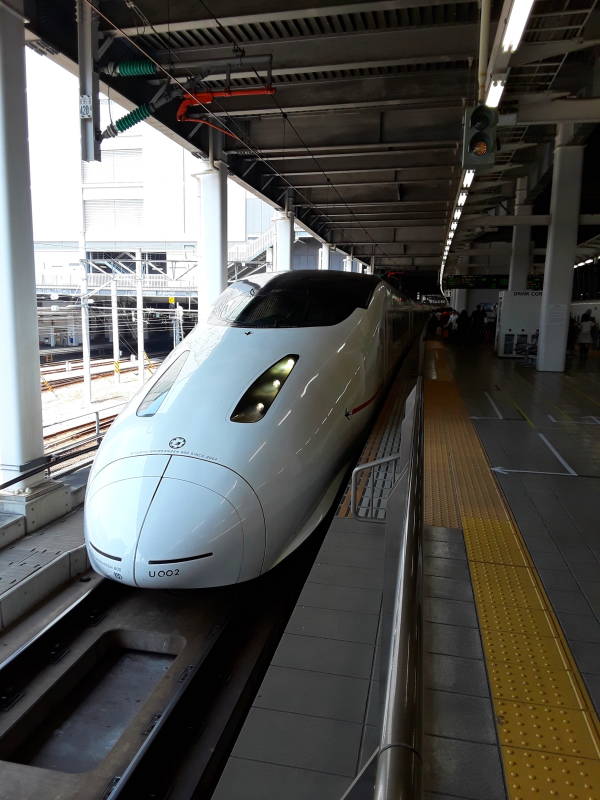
(176, 442)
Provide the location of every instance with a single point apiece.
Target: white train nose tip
(191, 535)
(114, 514)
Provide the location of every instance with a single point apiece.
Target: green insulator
(129, 120)
(129, 69)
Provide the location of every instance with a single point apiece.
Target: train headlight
(257, 400)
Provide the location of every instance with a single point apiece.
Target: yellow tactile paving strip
(548, 730)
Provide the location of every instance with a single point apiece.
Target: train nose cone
(114, 515)
(191, 536)
(173, 521)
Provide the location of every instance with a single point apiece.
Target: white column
(139, 315)
(347, 263)
(115, 329)
(324, 253)
(371, 269)
(212, 240)
(458, 299)
(20, 398)
(560, 252)
(521, 243)
(284, 237)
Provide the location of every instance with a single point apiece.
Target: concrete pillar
(371, 269)
(20, 398)
(37, 500)
(324, 253)
(347, 264)
(560, 252)
(459, 299)
(284, 237)
(212, 240)
(520, 259)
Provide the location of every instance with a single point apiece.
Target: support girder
(270, 11)
(330, 51)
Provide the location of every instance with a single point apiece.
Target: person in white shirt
(584, 337)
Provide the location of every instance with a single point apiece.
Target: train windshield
(299, 299)
(155, 397)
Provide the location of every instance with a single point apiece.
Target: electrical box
(517, 323)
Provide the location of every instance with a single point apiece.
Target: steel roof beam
(379, 203)
(272, 12)
(354, 171)
(355, 184)
(429, 105)
(577, 110)
(509, 220)
(355, 50)
(314, 68)
(352, 149)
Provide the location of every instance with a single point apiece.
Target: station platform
(512, 462)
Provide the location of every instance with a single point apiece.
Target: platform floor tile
(544, 716)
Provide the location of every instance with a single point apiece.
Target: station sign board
(500, 282)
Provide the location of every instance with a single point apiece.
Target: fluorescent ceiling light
(468, 177)
(494, 94)
(517, 20)
(589, 261)
(457, 213)
(453, 226)
(450, 236)
(462, 198)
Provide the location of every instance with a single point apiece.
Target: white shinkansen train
(232, 454)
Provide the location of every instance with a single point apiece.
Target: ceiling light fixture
(468, 178)
(517, 20)
(494, 94)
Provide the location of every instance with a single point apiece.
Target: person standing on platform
(463, 327)
(452, 324)
(477, 321)
(584, 337)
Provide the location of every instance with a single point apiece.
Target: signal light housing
(479, 137)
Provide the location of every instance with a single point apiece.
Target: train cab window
(299, 299)
(155, 397)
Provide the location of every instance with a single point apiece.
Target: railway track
(141, 693)
(65, 436)
(54, 377)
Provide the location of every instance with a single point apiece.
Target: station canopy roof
(363, 133)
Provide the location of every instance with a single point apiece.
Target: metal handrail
(394, 770)
(371, 465)
(87, 414)
(60, 456)
(399, 766)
